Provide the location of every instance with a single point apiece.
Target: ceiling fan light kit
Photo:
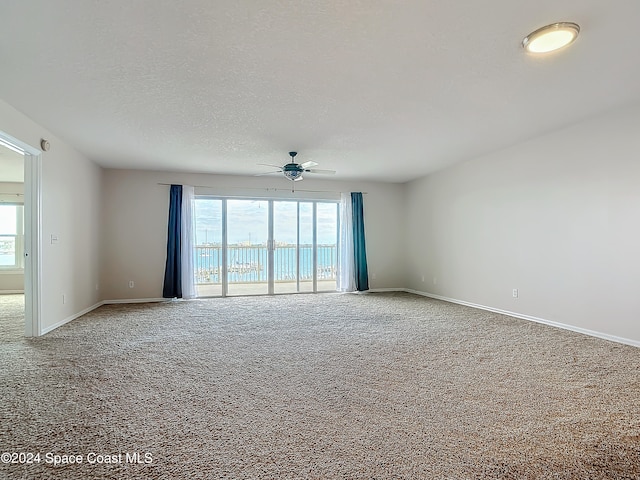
(293, 171)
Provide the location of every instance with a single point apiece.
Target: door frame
(32, 235)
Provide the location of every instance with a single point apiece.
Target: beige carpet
(11, 316)
(378, 386)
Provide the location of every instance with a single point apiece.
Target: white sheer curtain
(346, 272)
(187, 239)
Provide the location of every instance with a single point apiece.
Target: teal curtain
(359, 247)
(173, 269)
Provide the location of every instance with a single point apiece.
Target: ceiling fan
(293, 171)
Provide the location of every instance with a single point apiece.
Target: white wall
(11, 282)
(557, 217)
(135, 211)
(71, 198)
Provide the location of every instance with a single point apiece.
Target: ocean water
(249, 264)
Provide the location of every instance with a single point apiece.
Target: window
(11, 237)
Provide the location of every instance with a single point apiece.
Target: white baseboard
(135, 300)
(68, 319)
(93, 307)
(10, 292)
(584, 331)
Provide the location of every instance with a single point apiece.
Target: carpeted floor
(378, 386)
(11, 316)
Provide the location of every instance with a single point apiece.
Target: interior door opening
(20, 167)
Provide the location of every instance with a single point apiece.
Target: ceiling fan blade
(308, 164)
(268, 173)
(270, 165)
(315, 170)
(298, 179)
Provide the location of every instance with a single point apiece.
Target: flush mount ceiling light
(552, 37)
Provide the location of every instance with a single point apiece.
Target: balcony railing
(248, 263)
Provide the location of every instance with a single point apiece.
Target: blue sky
(248, 221)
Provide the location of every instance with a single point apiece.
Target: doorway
(20, 237)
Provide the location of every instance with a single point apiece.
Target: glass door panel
(305, 260)
(285, 237)
(208, 246)
(327, 238)
(247, 252)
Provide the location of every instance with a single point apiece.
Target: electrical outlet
(131, 284)
(435, 281)
(64, 299)
(97, 287)
(373, 276)
(423, 278)
(515, 293)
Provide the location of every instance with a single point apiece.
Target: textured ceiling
(380, 90)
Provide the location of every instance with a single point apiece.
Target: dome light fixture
(552, 37)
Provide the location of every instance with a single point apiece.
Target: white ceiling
(374, 89)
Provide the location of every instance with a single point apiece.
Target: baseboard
(68, 319)
(383, 290)
(10, 292)
(135, 300)
(584, 331)
(93, 307)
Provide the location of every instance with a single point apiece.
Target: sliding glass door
(208, 246)
(286, 271)
(306, 245)
(247, 244)
(257, 247)
(327, 245)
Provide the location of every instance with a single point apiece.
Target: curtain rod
(265, 189)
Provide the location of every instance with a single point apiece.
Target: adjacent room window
(11, 237)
